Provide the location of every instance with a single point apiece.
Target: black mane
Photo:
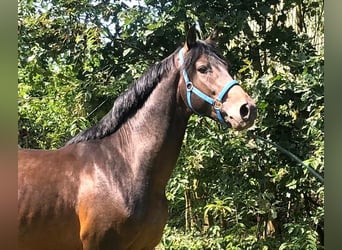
(134, 97)
(127, 103)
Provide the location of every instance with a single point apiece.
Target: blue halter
(216, 103)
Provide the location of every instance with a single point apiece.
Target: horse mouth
(239, 125)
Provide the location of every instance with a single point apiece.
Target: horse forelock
(127, 104)
(200, 48)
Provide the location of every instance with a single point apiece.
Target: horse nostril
(244, 111)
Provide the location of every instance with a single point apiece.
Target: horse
(105, 188)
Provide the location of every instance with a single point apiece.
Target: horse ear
(191, 37)
(214, 36)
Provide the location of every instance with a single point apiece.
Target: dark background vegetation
(228, 190)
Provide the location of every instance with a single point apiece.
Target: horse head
(207, 88)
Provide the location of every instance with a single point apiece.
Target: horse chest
(109, 217)
(147, 223)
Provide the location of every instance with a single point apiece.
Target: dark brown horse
(105, 188)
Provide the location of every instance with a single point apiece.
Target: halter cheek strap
(215, 103)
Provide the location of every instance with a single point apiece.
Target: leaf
(292, 184)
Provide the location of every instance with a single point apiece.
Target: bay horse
(105, 189)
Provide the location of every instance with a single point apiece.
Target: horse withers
(105, 189)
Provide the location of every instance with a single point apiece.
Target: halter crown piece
(215, 103)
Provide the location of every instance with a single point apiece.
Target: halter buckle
(217, 105)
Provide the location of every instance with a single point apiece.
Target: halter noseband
(215, 103)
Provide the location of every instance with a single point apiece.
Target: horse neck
(154, 135)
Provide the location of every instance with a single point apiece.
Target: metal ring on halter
(189, 86)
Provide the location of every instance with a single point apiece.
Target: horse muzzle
(240, 115)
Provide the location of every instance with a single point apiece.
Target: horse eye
(203, 69)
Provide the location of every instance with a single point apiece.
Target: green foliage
(228, 191)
